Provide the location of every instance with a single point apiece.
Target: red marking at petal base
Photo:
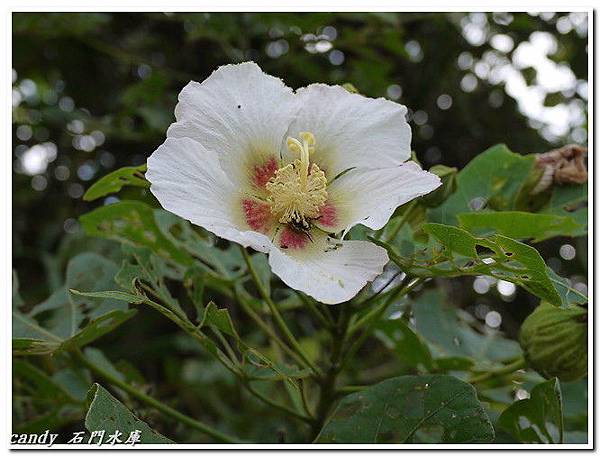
(292, 239)
(258, 214)
(328, 215)
(264, 172)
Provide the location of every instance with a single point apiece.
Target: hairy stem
(278, 406)
(268, 330)
(519, 363)
(327, 394)
(196, 333)
(277, 315)
(324, 318)
(368, 322)
(378, 311)
(351, 389)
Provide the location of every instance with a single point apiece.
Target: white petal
(351, 130)
(188, 181)
(330, 271)
(370, 196)
(239, 112)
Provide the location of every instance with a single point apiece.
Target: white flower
(257, 164)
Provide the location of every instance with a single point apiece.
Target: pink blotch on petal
(263, 173)
(292, 239)
(328, 215)
(258, 214)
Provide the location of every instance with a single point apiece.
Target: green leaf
(194, 282)
(29, 338)
(74, 319)
(118, 295)
(569, 201)
(91, 272)
(41, 401)
(182, 234)
(575, 405)
(133, 223)
(454, 252)
(568, 295)
(493, 179)
(453, 239)
(152, 271)
(256, 366)
(75, 381)
(115, 181)
(147, 270)
(499, 180)
(86, 271)
(107, 413)
(42, 386)
(450, 337)
(99, 359)
(538, 419)
(220, 319)
(408, 346)
(531, 271)
(47, 342)
(98, 328)
(519, 225)
(408, 409)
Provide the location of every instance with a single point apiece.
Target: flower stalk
(281, 324)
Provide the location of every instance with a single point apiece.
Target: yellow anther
(294, 145)
(295, 194)
(308, 138)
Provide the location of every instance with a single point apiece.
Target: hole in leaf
(483, 250)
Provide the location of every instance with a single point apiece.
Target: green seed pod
(555, 341)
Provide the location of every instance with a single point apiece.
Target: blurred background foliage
(93, 92)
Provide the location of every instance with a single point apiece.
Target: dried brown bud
(562, 166)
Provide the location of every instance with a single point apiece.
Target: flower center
(298, 190)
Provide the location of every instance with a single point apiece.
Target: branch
(195, 424)
(519, 363)
(277, 316)
(278, 406)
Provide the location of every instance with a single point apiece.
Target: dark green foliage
(92, 249)
(410, 409)
(106, 413)
(537, 419)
